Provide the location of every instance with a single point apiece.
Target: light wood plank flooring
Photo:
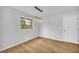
(44, 45)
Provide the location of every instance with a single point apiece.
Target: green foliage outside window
(25, 23)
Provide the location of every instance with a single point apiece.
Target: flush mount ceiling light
(37, 8)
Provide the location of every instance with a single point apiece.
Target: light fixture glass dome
(38, 19)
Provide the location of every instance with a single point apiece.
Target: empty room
(39, 29)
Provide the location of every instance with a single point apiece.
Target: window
(25, 23)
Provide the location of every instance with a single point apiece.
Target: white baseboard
(60, 40)
(33, 38)
(17, 44)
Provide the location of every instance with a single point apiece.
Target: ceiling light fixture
(38, 9)
(38, 19)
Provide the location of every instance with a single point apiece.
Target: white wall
(51, 27)
(0, 27)
(78, 28)
(12, 34)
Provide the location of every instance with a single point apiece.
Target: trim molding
(60, 40)
(17, 44)
(35, 38)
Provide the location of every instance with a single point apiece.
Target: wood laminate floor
(43, 45)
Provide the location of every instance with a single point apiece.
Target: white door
(70, 28)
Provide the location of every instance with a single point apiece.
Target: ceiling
(47, 10)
